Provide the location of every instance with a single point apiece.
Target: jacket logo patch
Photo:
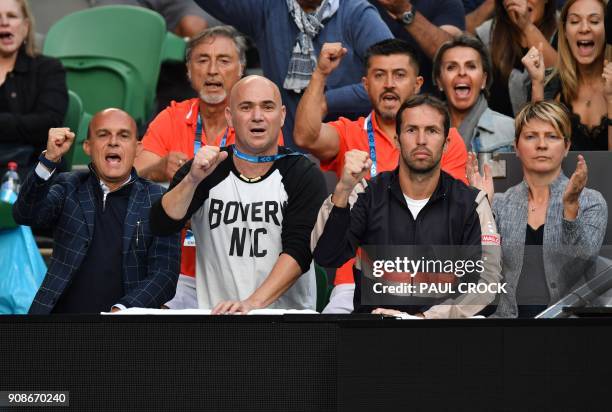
(490, 239)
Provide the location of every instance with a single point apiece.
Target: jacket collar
(486, 121)
(191, 118)
(22, 64)
(441, 190)
(105, 189)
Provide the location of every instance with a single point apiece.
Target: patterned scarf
(303, 60)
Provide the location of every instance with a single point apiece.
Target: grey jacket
(569, 247)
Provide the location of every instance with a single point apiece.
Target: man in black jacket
(416, 204)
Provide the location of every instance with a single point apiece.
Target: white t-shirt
(415, 206)
(242, 227)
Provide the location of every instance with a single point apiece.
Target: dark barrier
(308, 363)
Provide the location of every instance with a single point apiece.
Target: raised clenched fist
(58, 143)
(205, 162)
(330, 57)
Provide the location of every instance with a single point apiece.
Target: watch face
(407, 17)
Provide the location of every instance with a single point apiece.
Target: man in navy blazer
(104, 254)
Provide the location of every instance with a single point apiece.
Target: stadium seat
(104, 83)
(174, 48)
(79, 158)
(124, 43)
(73, 121)
(6, 216)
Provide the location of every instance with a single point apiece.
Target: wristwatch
(406, 18)
(49, 164)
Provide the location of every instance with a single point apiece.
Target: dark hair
(390, 47)
(505, 41)
(423, 100)
(465, 40)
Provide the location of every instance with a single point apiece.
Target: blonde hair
(566, 67)
(547, 111)
(30, 40)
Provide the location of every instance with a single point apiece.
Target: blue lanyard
(371, 143)
(261, 159)
(197, 144)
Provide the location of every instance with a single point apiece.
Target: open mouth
(390, 98)
(258, 131)
(462, 90)
(585, 47)
(113, 159)
(213, 85)
(6, 36)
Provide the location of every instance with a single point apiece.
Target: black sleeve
(164, 225)
(49, 108)
(343, 233)
(608, 23)
(306, 190)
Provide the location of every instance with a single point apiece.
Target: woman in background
(582, 78)
(518, 26)
(551, 227)
(33, 94)
(462, 72)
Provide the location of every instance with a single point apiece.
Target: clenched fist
(356, 165)
(534, 63)
(205, 162)
(330, 57)
(59, 142)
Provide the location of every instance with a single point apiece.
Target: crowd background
(486, 59)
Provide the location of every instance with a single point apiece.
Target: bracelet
(49, 164)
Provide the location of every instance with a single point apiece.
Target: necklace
(250, 179)
(532, 206)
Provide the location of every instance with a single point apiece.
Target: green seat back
(104, 83)
(73, 121)
(174, 48)
(79, 158)
(132, 35)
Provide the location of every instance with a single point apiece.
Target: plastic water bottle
(10, 184)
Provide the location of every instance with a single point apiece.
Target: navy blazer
(66, 203)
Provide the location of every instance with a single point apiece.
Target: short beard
(387, 116)
(423, 171)
(213, 98)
